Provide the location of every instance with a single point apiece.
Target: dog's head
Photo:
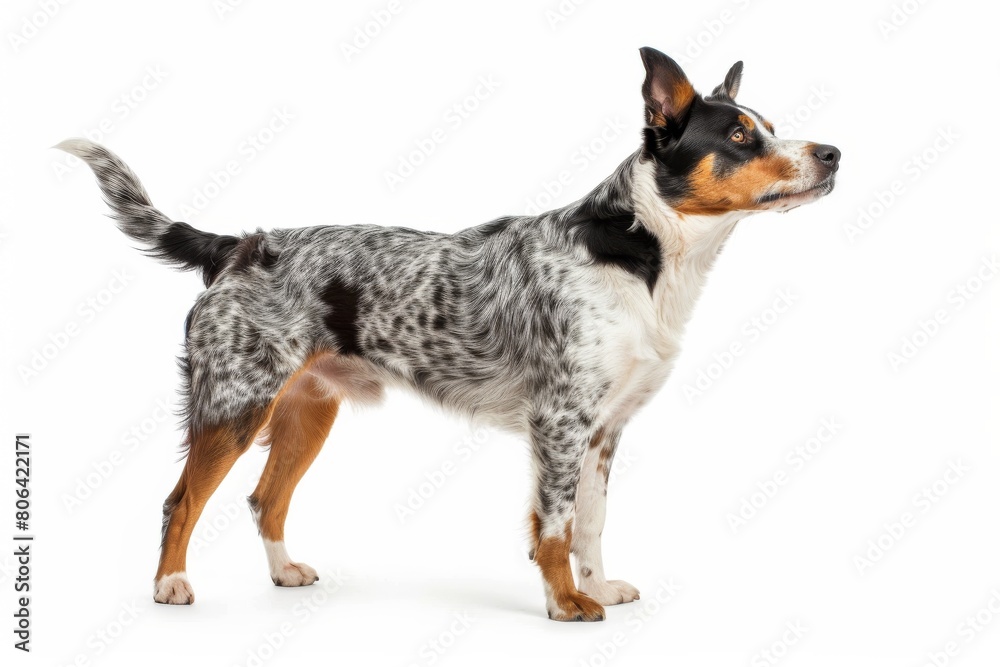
(714, 156)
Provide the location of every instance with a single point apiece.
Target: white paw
(609, 592)
(294, 574)
(283, 571)
(173, 589)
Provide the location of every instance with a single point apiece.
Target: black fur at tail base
(191, 248)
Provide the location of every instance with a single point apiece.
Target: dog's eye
(739, 136)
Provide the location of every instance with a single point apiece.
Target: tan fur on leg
(565, 602)
(212, 453)
(299, 425)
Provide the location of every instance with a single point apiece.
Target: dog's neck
(684, 239)
(689, 245)
(631, 191)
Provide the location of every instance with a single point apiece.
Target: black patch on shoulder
(342, 320)
(617, 240)
(252, 250)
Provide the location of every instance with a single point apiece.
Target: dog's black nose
(828, 155)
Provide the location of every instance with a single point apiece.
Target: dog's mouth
(786, 201)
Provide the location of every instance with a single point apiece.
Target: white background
(825, 72)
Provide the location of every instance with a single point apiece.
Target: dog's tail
(176, 243)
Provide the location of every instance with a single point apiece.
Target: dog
(556, 327)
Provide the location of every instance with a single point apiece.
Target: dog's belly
(347, 377)
(359, 381)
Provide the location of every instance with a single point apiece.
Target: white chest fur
(653, 324)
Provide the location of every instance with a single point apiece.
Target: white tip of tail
(77, 146)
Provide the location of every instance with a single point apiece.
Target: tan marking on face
(739, 190)
(747, 122)
(769, 125)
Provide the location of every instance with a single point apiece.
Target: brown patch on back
(552, 557)
(739, 190)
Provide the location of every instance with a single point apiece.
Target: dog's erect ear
(731, 86)
(666, 90)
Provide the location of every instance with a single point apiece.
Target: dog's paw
(575, 607)
(173, 589)
(294, 574)
(609, 592)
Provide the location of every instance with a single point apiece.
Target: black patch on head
(706, 130)
(617, 240)
(342, 320)
(190, 248)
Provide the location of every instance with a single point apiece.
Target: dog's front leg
(558, 443)
(591, 503)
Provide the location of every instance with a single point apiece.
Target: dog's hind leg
(591, 503)
(299, 425)
(235, 370)
(212, 452)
